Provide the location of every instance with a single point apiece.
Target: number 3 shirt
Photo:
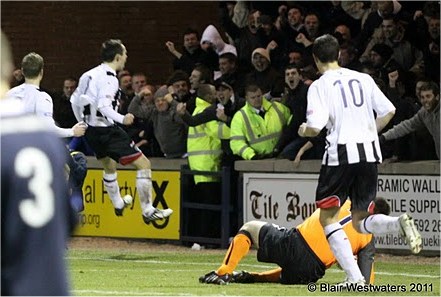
(344, 101)
(37, 218)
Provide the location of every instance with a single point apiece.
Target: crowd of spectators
(249, 79)
(268, 44)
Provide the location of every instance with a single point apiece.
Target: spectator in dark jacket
(192, 53)
(294, 97)
(264, 75)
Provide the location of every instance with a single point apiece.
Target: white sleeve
(380, 103)
(317, 113)
(110, 113)
(78, 112)
(63, 132)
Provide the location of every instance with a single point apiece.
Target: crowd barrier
(272, 190)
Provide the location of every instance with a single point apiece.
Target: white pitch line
(161, 262)
(174, 263)
(126, 293)
(131, 270)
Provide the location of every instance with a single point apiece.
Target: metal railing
(225, 208)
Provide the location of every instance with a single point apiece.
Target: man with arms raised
(94, 102)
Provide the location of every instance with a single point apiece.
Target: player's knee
(252, 229)
(142, 162)
(357, 217)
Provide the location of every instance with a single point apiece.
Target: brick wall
(68, 34)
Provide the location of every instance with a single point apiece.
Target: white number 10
(32, 163)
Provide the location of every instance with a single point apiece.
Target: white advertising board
(287, 199)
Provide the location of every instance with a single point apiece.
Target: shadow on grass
(126, 257)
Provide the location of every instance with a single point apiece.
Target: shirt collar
(108, 68)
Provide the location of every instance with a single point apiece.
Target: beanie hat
(178, 75)
(383, 50)
(261, 51)
(222, 83)
(161, 92)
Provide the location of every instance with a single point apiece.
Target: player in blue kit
(37, 218)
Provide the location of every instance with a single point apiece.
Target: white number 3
(34, 164)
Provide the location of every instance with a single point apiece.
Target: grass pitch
(164, 270)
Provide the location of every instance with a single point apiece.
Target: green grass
(175, 273)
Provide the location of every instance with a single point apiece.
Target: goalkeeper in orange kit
(303, 253)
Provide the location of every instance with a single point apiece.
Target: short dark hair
(326, 48)
(232, 58)
(251, 88)
(110, 48)
(350, 47)
(298, 7)
(297, 66)
(204, 90)
(177, 75)
(206, 74)
(70, 78)
(31, 65)
(430, 86)
(191, 31)
(123, 75)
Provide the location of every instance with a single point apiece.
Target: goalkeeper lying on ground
(303, 253)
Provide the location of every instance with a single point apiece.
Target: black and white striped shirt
(344, 101)
(97, 89)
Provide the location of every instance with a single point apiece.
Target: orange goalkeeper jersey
(312, 232)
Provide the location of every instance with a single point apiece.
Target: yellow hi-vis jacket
(251, 134)
(204, 144)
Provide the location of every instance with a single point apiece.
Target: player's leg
(269, 276)
(78, 171)
(110, 180)
(144, 188)
(365, 221)
(239, 247)
(123, 149)
(332, 191)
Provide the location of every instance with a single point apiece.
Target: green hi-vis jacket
(204, 144)
(253, 135)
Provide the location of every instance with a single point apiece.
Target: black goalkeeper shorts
(289, 250)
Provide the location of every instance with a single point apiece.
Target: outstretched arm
(383, 121)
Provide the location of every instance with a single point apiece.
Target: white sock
(111, 184)
(144, 187)
(341, 248)
(379, 224)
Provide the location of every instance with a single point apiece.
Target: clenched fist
(128, 119)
